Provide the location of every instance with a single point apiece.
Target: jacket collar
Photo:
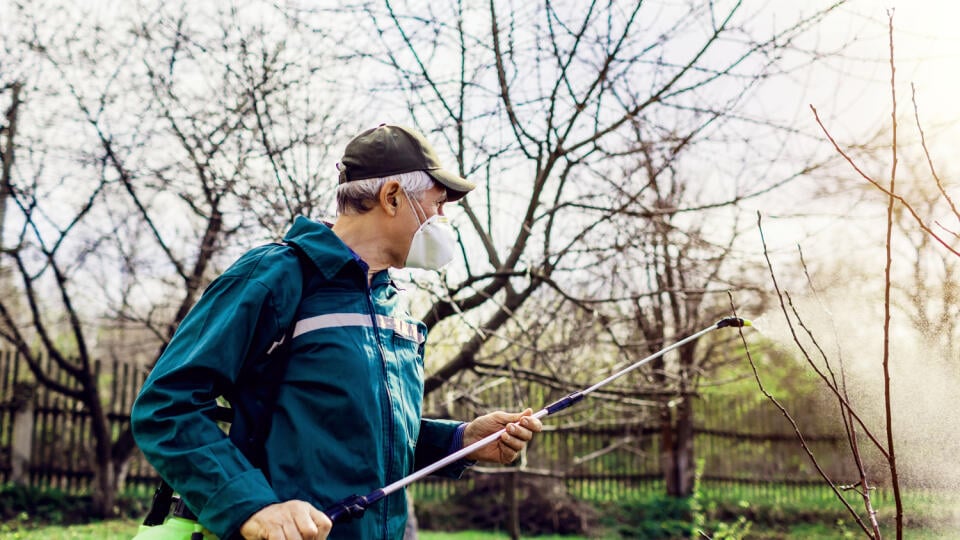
(328, 253)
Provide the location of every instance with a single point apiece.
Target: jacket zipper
(386, 382)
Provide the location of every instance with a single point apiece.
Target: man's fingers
(525, 428)
(291, 520)
(513, 442)
(306, 525)
(320, 518)
(311, 524)
(519, 432)
(531, 423)
(507, 451)
(290, 531)
(522, 414)
(322, 521)
(523, 419)
(507, 417)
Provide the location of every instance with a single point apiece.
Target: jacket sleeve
(434, 444)
(172, 418)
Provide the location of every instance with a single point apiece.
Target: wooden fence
(56, 444)
(596, 452)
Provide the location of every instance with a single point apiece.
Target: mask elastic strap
(412, 203)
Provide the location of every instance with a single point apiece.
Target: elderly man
(345, 414)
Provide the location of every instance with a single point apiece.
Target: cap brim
(456, 186)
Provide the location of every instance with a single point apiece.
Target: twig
(796, 339)
(926, 153)
(846, 412)
(796, 428)
(892, 459)
(877, 185)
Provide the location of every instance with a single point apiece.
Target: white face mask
(433, 245)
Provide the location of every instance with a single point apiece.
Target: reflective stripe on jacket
(347, 417)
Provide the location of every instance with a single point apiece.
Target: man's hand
(291, 520)
(520, 429)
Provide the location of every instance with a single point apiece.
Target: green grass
(786, 514)
(847, 531)
(126, 529)
(478, 535)
(105, 530)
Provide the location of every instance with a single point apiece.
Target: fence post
(22, 443)
(513, 519)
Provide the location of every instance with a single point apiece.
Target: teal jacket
(346, 419)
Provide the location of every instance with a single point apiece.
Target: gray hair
(359, 196)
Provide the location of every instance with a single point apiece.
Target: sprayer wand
(353, 507)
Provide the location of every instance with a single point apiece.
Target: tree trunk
(105, 477)
(104, 489)
(668, 453)
(683, 444)
(513, 518)
(676, 455)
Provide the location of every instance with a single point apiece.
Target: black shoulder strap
(279, 360)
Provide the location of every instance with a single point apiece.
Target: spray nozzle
(733, 322)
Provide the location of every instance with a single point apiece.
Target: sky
(926, 51)
(852, 94)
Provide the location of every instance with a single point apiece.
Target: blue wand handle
(352, 507)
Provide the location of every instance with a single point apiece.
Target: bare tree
(190, 131)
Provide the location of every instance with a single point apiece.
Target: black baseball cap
(388, 150)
